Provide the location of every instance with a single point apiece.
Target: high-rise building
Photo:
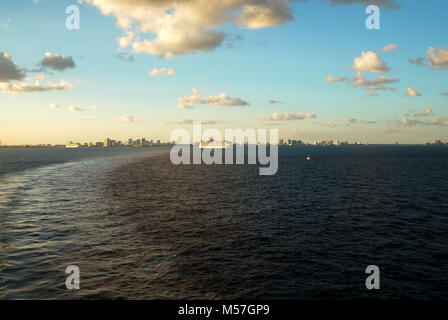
(107, 143)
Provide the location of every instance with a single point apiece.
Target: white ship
(72, 145)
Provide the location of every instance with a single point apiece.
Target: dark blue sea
(139, 227)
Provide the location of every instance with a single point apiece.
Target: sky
(143, 68)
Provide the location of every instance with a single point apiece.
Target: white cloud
(261, 14)
(376, 84)
(370, 62)
(290, 116)
(412, 92)
(94, 107)
(427, 112)
(162, 72)
(125, 41)
(371, 94)
(54, 106)
(437, 58)
(57, 62)
(330, 79)
(175, 27)
(61, 85)
(189, 101)
(128, 119)
(75, 109)
(389, 47)
(440, 122)
(14, 88)
(221, 100)
(406, 122)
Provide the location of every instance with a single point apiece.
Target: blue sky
(285, 60)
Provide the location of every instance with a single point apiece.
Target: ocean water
(139, 227)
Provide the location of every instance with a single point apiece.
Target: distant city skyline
(311, 69)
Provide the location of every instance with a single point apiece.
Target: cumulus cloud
(15, 88)
(128, 119)
(220, 100)
(286, 117)
(9, 70)
(445, 94)
(376, 84)
(261, 14)
(437, 58)
(54, 106)
(75, 109)
(94, 107)
(175, 27)
(125, 41)
(330, 79)
(418, 61)
(389, 47)
(370, 62)
(57, 62)
(427, 112)
(162, 72)
(412, 92)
